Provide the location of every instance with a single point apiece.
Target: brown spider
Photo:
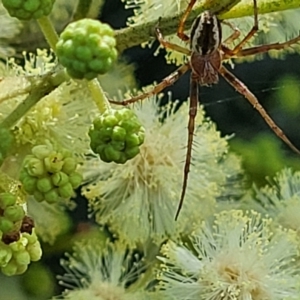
(206, 55)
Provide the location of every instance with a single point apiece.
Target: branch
(137, 34)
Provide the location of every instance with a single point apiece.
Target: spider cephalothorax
(206, 54)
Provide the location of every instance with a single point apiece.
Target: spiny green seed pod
(28, 9)
(42, 175)
(117, 135)
(86, 48)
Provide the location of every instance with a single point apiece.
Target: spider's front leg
(250, 34)
(194, 94)
(167, 81)
(242, 89)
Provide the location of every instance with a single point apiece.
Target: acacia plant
(64, 133)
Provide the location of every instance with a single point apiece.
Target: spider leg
(180, 30)
(250, 34)
(167, 44)
(264, 48)
(194, 91)
(167, 81)
(242, 89)
(235, 34)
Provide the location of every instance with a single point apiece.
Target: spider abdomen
(205, 42)
(205, 34)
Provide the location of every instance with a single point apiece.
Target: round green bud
(38, 196)
(42, 151)
(21, 269)
(7, 199)
(75, 179)
(44, 185)
(34, 251)
(116, 135)
(10, 269)
(69, 165)
(59, 179)
(22, 257)
(5, 254)
(28, 9)
(54, 162)
(87, 48)
(14, 213)
(66, 191)
(51, 196)
(35, 167)
(6, 225)
(31, 238)
(29, 184)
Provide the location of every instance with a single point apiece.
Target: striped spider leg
(206, 55)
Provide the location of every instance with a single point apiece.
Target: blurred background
(275, 82)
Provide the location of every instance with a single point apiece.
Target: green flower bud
(38, 196)
(10, 269)
(34, 251)
(59, 178)
(14, 213)
(69, 165)
(44, 185)
(21, 269)
(29, 184)
(54, 162)
(66, 191)
(42, 151)
(5, 254)
(6, 225)
(52, 196)
(75, 179)
(35, 167)
(22, 257)
(7, 199)
(31, 238)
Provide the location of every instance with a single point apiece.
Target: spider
(207, 51)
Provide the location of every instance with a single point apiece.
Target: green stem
(82, 9)
(48, 31)
(39, 89)
(138, 34)
(98, 95)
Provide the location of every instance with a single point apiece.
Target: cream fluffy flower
(280, 200)
(139, 199)
(238, 257)
(95, 271)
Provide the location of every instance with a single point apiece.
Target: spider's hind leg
(243, 90)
